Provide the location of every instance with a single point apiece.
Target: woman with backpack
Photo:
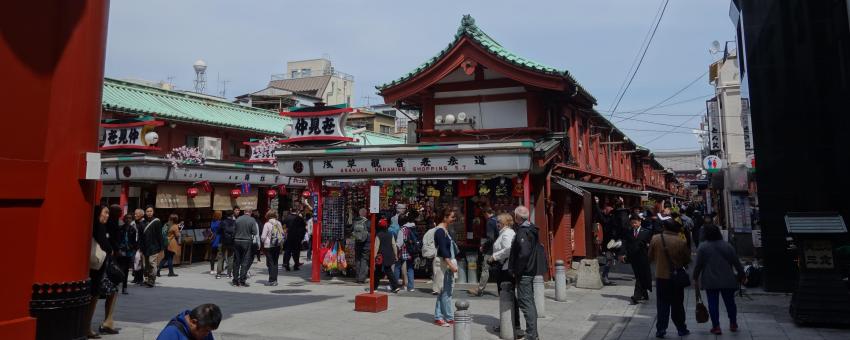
(408, 249)
(360, 232)
(714, 272)
(272, 238)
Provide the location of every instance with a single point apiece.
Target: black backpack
(414, 246)
(228, 232)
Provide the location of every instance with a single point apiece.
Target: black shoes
(172, 274)
(107, 330)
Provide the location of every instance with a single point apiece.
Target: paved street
(297, 309)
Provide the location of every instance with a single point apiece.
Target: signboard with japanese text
(134, 135)
(428, 164)
(223, 201)
(164, 172)
(714, 132)
(328, 125)
(263, 151)
(747, 124)
(175, 196)
(740, 213)
(818, 254)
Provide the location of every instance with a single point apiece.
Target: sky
(376, 41)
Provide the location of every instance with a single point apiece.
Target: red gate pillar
(51, 56)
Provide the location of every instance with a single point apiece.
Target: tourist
(96, 276)
(215, 240)
(272, 241)
(406, 243)
(486, 250)
(525, 264)
(151, 245)
(713, 271)
(635, 252)
(246, 231)
(173, 246)
(669, 252)
(308, 233)
(227, 233)
(360, 231)
(385, 256)
(446, 251)
(296, 228)
(196, 324)
(127, 245)
(499, 261)
(258, 244)
(138, 260)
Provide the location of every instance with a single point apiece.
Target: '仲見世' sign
(328, 125)
(132, 135)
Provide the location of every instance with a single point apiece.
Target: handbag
(113, 272)
(701, 312)
(97, 256)
(679, 276)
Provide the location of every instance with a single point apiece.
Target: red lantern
(271, 193)
(306, 194)
(192, 192)
(282, 189)
(235, 193)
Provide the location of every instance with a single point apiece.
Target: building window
(386, 129)
(390, 113)
(236, 149)
(192, 141)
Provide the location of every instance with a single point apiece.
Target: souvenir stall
(423, 178)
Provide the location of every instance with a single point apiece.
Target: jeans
(242, 260)
(670, 305)
(385, 269)
(167, 261)
(525, 299)
(294, 254)
(400, 268)
(713, 297)
(224, 256)
(443, 309)
(361, 260)
(272, 255)
(485, 273)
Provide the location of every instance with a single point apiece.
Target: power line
(665, 100)
(666, 105)
(640, 62)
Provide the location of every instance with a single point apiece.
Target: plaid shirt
(403, 254)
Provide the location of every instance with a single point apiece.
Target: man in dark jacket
(246, 232)
(486, 249)
(196, 324)
(525, 263)
(151, 245)
(296, 228)
(635, 249)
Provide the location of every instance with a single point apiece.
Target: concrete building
(402, 117)
(304, 84)
(375, 121)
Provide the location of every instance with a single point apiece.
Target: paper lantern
(306, 194)
(271, 193)
(282, 189)
(235, 193)
(192, 192)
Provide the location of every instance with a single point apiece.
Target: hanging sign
(134, 135)
(443, 164)
(328, 125)
(713, 125)
(712, 163)
(747, 124)
(374, 199)
(263, 151)
(751, 162)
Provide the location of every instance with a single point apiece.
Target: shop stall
(421, 179)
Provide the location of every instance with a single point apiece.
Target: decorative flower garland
(184, 155)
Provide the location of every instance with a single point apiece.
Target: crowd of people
(511, 249)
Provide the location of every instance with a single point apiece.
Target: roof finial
(467, 21)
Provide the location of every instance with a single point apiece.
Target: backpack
(359, 230)
(228, 232)
(429, 247)
(537, 262)
(276, 237)
(414, 247)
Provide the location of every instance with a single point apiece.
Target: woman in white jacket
(272, 238)
(502, 247)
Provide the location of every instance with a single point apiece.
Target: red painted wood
(480, 98)
(129, 147)
(370, 302)
(316, 274)
(134, 124)
(51, 55)
(317, 138)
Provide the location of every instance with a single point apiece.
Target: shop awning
(144, 168)
(565, 183)
(409, 160)
(656, 194)
(597, 187)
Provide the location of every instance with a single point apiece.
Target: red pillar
(316, 275)
(51, 56)
(123, 197)
(526, 191)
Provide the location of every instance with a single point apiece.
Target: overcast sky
(377, 41)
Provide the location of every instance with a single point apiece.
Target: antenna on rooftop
(200, 76)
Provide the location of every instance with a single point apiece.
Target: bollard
(506, 308)
(539, 296)
(560, 281)
(463, 321)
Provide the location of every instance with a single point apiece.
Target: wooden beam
(480, 98)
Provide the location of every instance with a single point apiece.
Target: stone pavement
(298, 309)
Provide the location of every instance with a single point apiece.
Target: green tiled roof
(140, 99)
(469, 29)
